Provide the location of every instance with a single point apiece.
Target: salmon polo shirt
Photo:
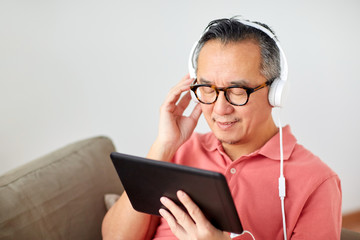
(313, 191)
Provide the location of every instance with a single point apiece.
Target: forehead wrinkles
(229, 62)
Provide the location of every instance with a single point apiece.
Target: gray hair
(232, 30)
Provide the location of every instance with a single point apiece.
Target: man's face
(234, 64)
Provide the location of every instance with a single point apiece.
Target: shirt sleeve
(321, 215)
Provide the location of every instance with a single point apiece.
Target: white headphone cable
(233, 235)
(282, 190)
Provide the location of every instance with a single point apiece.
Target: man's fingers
(175, 93)
(196, 112)
(193, 210)
(174, 226)
(184, 103)
(190, 224)
(181, 217)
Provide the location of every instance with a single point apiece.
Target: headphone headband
(283, 60)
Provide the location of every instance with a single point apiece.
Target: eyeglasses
(235, 95)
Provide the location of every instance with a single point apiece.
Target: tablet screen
(146, 181)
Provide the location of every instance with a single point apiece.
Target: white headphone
(276, 91)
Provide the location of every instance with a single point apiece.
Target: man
(240, 62)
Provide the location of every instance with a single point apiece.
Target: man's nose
(222, 106)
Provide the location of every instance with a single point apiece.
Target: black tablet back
(145, 181)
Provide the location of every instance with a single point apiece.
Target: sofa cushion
(61, 195)
(110, 199)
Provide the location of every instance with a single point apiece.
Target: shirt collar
(211, 143)
(271, 148)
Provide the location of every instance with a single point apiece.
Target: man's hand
(174, 127)
(186, 226)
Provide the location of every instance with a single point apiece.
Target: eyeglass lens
(207, 94)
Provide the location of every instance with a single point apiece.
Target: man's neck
(262, 135)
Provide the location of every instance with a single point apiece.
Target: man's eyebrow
(241, 83)
(204, 81)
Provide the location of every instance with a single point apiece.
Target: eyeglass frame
(194, 87)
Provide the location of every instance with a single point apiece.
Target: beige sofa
(61, 195)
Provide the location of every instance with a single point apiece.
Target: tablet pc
(145, 181)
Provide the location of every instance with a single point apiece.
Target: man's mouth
(225, 125)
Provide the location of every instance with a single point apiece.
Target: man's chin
(229, 142)
(226, 140)
(228, 137)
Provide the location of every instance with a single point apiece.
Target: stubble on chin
(229, 142)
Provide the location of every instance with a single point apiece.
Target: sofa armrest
(61, 195)
(349, 235)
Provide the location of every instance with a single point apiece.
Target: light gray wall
(73, 69)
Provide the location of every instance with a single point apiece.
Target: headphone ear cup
(192, 71)
(276, 90)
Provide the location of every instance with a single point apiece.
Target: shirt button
(233, 171)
